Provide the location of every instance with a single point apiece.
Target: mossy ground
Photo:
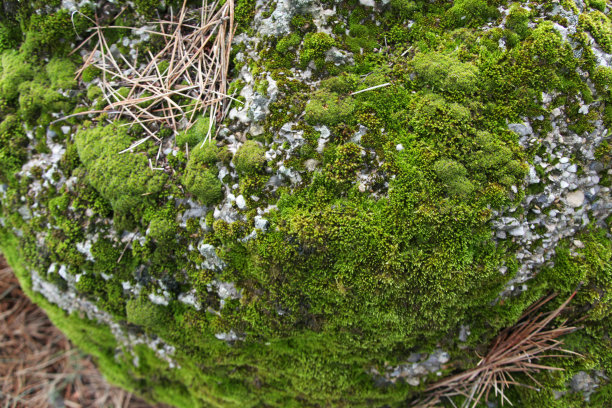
(345, 278)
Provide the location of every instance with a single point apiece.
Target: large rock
(389, 188)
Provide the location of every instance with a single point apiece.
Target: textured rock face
(394, 183)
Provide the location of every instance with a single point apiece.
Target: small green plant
(329, 108)
(196, 133)
(142, 312)
(162, 230)
(200, 178)
(454, 177)
(288, 42)
(249, 158)
(517, 20)
(61, 73)
(600, 27)
(445, 72)
(14, 70)
(470, 12)
(124, 179)
(314, 48)
(598, 5)
(348, 161)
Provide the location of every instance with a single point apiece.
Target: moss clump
(603, 80)
(143, 312)
(124, 179)
(329, 108)
(361, 36)
(14, 70)
(13, 143)
(9, 35)
(453, 175)
(61, 73)
(404, 8)
(314, 48)
(289, 42)
(52, 32)
(348, 161)
(470, 12)
(147, 7)
(343, 279)
(598, 4)
(517, 20)
(162, 230)
(90, 73)
(600, 26)
(243, 14)
(200, 178)
(447, 73)
(36, 99)
(93, 93)
(494, 161)
(249, 158)
(196, 133)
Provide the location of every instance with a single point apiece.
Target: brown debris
(197, 47)
(516, 350)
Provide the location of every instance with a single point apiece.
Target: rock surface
(391, 185)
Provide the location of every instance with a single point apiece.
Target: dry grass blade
(517, 349)
(196, 55)
(38, 365)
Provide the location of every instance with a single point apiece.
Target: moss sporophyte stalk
(382, 190)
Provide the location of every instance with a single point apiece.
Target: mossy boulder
(420, 173)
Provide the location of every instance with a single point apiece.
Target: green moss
(404, 8)
(314, 48)
(517, 20)
(288, 42)
(362, 37)
(446, 72)
(147, 7)
(14, 70)
(196, 133)
(13, 143)
(600, 27)
(243, 14)
(61, 73)
(453, 175)
(162, 230)
(93, 93)
(143, 312)
(9, 35)
(53, 32)
(124, 179)
(200, 178)
(348, 161)
(249, 158)
(496, 161)
(470, 12)
(36, 98)
(598, 5)
(336, 267)
(90, 73)
(329, 108)
(87, 284)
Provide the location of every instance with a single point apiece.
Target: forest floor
(39, 366)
